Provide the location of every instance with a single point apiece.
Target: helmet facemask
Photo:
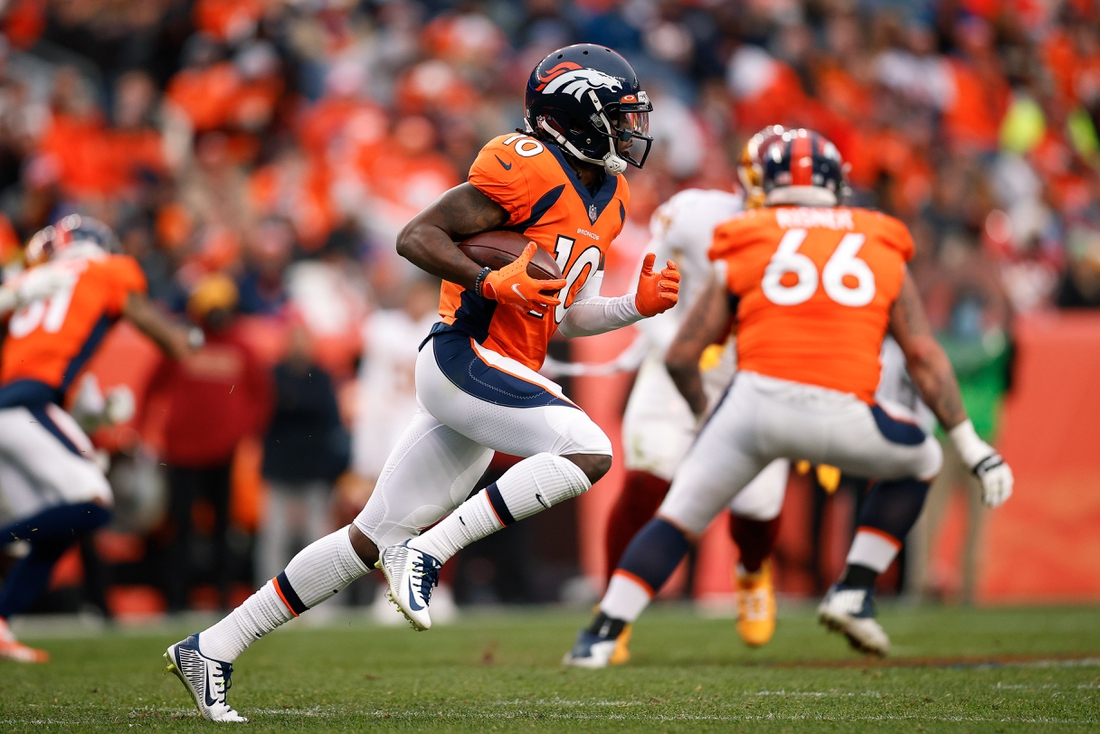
(632, 116)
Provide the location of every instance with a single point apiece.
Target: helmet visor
(634, 123)
(631, 132)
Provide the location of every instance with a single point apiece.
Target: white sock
(531, 486)
(319, 571)
(874, 549)
(626, 597)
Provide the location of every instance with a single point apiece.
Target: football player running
(74, 289)
(815, 287)
(658, 424)
(477, 387)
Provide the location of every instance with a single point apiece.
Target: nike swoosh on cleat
(206, 691)
(507, 166)
(412, 599)
(541, 500)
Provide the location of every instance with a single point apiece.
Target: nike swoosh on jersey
(507, 166)
(412, 599)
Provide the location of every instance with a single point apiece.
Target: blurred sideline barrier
(1043, 543)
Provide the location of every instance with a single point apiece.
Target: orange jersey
(50, 340)
(548, 203)
(814, 289)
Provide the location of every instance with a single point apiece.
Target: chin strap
(612, 162)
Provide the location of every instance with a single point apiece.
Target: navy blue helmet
(802, 167)
(69, 237)
(586, 98)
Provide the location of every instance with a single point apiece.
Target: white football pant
(472, 402)
(762, 419)
(659, 428)
(46, 461)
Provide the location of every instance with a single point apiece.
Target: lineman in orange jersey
(50, 484)
(559, 184)
(814, 288)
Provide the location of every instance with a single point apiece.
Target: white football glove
(120, 405)
(988, 465)
(996, 478)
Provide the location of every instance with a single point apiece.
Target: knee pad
(577, 433)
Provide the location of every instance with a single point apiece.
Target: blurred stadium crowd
(258, 157)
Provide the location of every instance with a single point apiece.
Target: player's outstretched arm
(706, 323)
(934, 377)
(428, 240)
(174, 340)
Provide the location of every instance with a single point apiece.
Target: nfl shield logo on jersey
(592, 213)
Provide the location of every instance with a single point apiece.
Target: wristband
(971, 447)
(479, 282)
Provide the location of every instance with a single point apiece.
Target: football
(498, 248)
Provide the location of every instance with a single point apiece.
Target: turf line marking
(1071, 660)
(324, 712)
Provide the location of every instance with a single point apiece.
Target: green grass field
(953, 669)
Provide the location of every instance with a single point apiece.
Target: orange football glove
(513, 286)
(657, 292)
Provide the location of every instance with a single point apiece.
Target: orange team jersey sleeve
(51, 340)
(814, 288)
(545, 201)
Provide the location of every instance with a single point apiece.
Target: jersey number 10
(847, 280)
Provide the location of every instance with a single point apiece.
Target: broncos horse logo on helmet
(572, 79)
(586, 99)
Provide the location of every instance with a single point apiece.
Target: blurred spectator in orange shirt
(204, 91)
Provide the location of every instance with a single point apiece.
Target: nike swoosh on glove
(657, 292)
(996, 478)
(513, 286)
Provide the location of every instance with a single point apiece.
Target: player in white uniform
(386, 394)
(658, 425)
(386, 402)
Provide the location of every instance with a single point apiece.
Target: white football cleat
(412, 575)
(851, 611)
(592, 651)
(207, 679)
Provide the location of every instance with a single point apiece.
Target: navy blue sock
(50, 533)
(654, 553)
(57, 521)
(31, 575)
(893, 507)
